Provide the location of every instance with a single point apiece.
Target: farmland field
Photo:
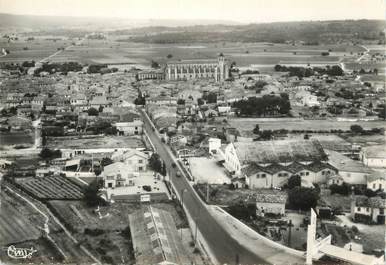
(22, 50)
(51, 188)
(247, 124)
(113, 51)
(14, 223)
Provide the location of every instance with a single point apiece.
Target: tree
(200, 101)
(343, 189)
(106, 161)
(92, 112)
(154, 64)
(100, 109)
(266, 135)
(90, 194)
(356, 129)
(48, 154)
(303, 198)
(12, 110)
(294, 181)
(256, 130)
(140, 101)
(169, 56)
(181, 101)
(155, 163)
(211, 97)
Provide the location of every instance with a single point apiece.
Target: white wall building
(374, 156)
(119, 174)
(377, 181)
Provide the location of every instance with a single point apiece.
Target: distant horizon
(189, 19)
(243, 12)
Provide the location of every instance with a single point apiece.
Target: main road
(225, 248)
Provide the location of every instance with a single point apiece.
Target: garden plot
(51, 188)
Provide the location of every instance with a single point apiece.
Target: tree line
(264, 106)
(301, 72)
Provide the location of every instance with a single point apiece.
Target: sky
(245, 11)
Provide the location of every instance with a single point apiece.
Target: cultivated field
(51, 188)
(16, 227)
(112, 51)
(247, 124)
(22, 50)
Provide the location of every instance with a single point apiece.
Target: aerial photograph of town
(192, 132)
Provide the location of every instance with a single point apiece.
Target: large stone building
(198, 69)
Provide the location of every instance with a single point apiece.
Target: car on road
(178, 174)
(174, 165)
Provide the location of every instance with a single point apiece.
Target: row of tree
(264, 106)
(301, 72)
(59, 67)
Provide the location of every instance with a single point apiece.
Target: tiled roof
(271, 198)
(376, 175)
(377, 151)
(374, 202)
(280, 151)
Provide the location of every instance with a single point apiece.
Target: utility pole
(289, 232)
(207, 192)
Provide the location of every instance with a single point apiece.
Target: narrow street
(223, 245)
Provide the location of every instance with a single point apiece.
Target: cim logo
(20, 253)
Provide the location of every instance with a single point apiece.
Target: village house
(136, 159)
(305, 98)
(368, 210)
(179, 140)
(37, 103)
(374, 156)
(239, 154)
(129, 124)
(269, 202)
(277, 175)
(99, 101)
(270, 164)
(78, 99)
(377, 181)
(161, 100)
(119, 174)
(335, 180)
(190, 94)
(353, 172)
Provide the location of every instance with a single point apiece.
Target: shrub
(94, 232)
(362, 218)
(146, 188)
(294, 181)
(343, 189)
(107, 259)
(303, 198)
